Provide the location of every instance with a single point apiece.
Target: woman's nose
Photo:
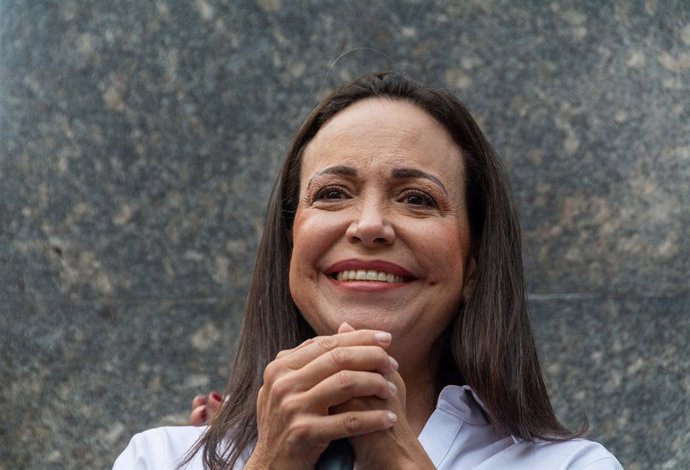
(370, 226)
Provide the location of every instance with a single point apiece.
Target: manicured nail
(392, 388)
(216, 396)
(392, 417)
(383, 338)
(394, 363)
(201, 398)
(204, 415)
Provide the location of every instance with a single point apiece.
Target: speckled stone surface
(139, 142)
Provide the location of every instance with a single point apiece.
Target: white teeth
(364, 275)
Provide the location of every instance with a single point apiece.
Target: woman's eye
(330, 194)
(417, 198)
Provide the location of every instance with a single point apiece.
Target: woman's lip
(366, 286)
(375, 265)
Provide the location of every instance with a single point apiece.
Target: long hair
(489, 342)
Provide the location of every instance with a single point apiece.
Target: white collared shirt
(456, 437)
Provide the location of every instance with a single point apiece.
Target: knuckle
(300, 432)
(281, 354)
(339, 357)
(271, 371)
(345, 379)
(327, 342)
(290, 407)
(352, 424)
(280, 388)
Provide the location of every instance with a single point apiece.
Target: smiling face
(381, 237)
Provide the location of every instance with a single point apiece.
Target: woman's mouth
(367, 275)
(371, 272)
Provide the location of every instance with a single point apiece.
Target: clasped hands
(333, 387)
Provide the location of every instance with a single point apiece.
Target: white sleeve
(592, 456)
(160, 449)
(607, 463)
(132, 458)
(573, 454)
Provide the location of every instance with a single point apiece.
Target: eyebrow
(340, 170)
(401, 173)
(414, 173)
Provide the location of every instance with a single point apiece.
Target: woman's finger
(345, 328)
(310, 350)
(199, 416)
(356, 423)
(346, 385)
(285, 352)
(198, 401)
(215, 400)
(204, 408)
(303, 440)
(353, 358)
(312, 432)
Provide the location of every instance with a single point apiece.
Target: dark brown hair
(489, 342)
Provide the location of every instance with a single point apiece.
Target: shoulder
(574, 454)
(160, 448)
(458, 435)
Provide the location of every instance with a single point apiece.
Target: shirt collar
(462, 402)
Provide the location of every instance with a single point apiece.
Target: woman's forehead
(379, 113)
(380, 131)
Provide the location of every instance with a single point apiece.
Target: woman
(387, 306)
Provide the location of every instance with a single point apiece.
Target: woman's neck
(420, 406)
(421, 385)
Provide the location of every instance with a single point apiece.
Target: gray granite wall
(138, 145)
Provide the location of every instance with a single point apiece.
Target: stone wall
(138, 146)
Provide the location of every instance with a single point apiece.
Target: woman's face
(381, 238)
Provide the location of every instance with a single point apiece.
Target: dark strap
(337, 456)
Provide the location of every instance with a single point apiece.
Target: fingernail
(392, 388)
(383, 338)
(202, 398)
(394, 363)
(204, 414)
(392, 417)
(216, 396)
